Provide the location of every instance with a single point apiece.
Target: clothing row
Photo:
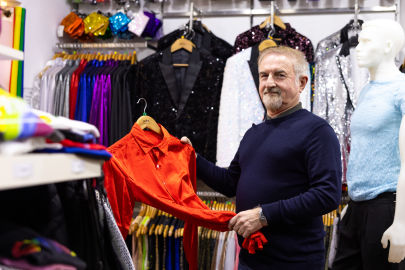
(94, 91)
(61, 226)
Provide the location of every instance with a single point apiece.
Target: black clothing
(361, 230)
(202, 38)
(185, 100)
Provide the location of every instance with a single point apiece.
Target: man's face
(370, 50)
(278, 88)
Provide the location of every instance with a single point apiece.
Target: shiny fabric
(288, 37)
(202, 38)
(184, 100)
(74, 86)
(240, 104)
(96, 24)
(119, 22)
(74, 25)
(152, 26)
(138, 24)
(159, 171)
(147, 168)
(332, 101)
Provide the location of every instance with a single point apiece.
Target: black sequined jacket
(286, 37)
(202, 38)
(185, 100)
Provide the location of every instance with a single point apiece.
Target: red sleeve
(121, 199)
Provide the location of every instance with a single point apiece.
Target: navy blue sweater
(290, 166)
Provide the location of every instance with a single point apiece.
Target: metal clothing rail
(265, 12)
(210, 194)
(111, 45)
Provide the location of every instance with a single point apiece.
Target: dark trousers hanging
(360, 233)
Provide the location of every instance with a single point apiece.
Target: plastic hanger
(148, 122)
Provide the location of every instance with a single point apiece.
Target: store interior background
(44, 16)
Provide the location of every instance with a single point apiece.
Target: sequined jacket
(185, 109)
(332, 101)
(203, 39)
(240, 104)
(288, 37)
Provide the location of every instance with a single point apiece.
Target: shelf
(7, 53)
(38, 169)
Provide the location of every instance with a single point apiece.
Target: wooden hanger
(182, 43)
(148, 122)
(267, 43)
(277, 21)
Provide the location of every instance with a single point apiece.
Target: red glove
(254, 242)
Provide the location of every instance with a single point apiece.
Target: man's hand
(186, 140)
(396, 236)
(246, 222)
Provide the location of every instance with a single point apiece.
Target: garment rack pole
(213, 194)
(303, 11)
(121, 45)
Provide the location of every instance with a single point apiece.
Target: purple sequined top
(289, 37)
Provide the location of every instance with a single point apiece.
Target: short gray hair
(300, 64)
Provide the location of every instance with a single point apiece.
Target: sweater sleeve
(222, 180)
(322, 159)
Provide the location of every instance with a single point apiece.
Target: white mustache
(274, 90)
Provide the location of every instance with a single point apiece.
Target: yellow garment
(96, 24)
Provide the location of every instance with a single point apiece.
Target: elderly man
(286, 173)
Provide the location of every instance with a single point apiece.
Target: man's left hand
(246, 222)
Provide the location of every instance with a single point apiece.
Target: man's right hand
(186, 140)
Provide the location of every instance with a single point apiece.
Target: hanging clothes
(338, 82)
(184, 99)
(148, 167)
(288, 37)
(202, 38)
(93, 91)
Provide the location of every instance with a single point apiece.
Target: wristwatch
(262, 218)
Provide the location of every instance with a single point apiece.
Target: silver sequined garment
(331, 100)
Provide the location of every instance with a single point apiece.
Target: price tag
(60, 31)
(23, 170)
(77, 166)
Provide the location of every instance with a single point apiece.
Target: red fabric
(161, 172)
(74, 86)
(69, 143)
(254, 242)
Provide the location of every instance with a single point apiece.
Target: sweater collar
(287, 112)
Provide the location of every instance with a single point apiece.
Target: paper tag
(60, 30)
(23, 170)
(77, 166)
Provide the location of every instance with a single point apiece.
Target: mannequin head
(379, 42)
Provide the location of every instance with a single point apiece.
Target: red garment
(74, 86)
(161, 172)
(69, 143)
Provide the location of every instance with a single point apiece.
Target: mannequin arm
(395, 234)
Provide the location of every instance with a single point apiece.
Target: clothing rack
(111, 45)
(299, 11)
(213, 194)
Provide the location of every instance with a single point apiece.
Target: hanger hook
(146, 105)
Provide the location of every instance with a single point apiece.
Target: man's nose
(270, 82)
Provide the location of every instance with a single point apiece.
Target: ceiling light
(9, 3)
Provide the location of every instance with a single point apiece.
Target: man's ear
(302, 82)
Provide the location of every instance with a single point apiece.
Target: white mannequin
(379, 43)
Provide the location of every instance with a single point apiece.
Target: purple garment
(153, 25)
(288, 37)
(24, 265)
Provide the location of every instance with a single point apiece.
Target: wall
(42, 22)
(42, 19)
